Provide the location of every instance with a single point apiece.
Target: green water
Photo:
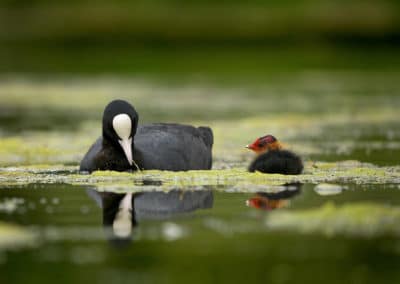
(227, 242)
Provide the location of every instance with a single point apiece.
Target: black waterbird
(125, 145)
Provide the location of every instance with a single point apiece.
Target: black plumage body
(160, 146)
(277, 162)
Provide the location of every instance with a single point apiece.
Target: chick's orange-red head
(264, 203)
(264, 144)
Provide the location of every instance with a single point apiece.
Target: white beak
(126, 145)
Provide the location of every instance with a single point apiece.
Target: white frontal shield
(122, 125)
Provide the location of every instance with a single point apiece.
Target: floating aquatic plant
(353, 219)
(12, 235)
(238, 178)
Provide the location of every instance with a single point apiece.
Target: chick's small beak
(250, 147)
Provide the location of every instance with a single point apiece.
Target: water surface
(179, 235)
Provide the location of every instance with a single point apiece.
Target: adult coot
(126, 146)
(273, 159)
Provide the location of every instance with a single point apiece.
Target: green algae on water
(12, 236)
(237, 178)
(364, 219)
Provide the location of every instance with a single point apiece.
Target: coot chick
(273, 159)
(126, 146)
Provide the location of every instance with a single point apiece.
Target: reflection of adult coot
(122, 211)
(160, 205)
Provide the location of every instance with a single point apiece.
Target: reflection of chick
(264, 203)
(275, 200)
(272, 159)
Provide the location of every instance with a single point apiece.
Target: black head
(113, 109)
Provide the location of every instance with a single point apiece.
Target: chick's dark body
(277, 162)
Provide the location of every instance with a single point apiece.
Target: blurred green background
(333, 63)
(198, 38)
